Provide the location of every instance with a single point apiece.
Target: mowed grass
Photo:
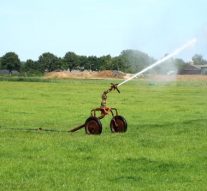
(165, 147)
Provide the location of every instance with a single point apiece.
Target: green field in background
(165, 147)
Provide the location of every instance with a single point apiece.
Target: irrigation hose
(35, 129)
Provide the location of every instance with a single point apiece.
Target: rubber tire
(93, 126)
(121, 122)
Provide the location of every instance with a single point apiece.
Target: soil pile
(108, 74)
(85, 75)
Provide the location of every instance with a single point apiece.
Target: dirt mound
(192, 77)
(85, 75)
(108, 74)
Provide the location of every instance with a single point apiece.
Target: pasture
(165, 147)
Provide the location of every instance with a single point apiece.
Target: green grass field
(165, 147)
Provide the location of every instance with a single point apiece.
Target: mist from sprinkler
(174, 53)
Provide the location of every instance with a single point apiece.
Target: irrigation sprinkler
(118, 123)
(93, 124)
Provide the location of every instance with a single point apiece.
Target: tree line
(129, 61)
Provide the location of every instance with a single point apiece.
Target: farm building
(194, 69)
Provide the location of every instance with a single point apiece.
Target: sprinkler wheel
(118, 124)
(93, 126)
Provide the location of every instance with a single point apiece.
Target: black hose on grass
(34, 129)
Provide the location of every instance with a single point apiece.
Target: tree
(93, 63)
(83, 62)
(48, 62)
(31, 66)
(117, 64)
(105, 62)
(198, 60)
(60, 65)
(135, 60)
(10, 61)
(180, 64)
(71, 60)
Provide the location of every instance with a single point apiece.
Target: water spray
(118, 123)
(177, 51)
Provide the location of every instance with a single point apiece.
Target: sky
(101, 27)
